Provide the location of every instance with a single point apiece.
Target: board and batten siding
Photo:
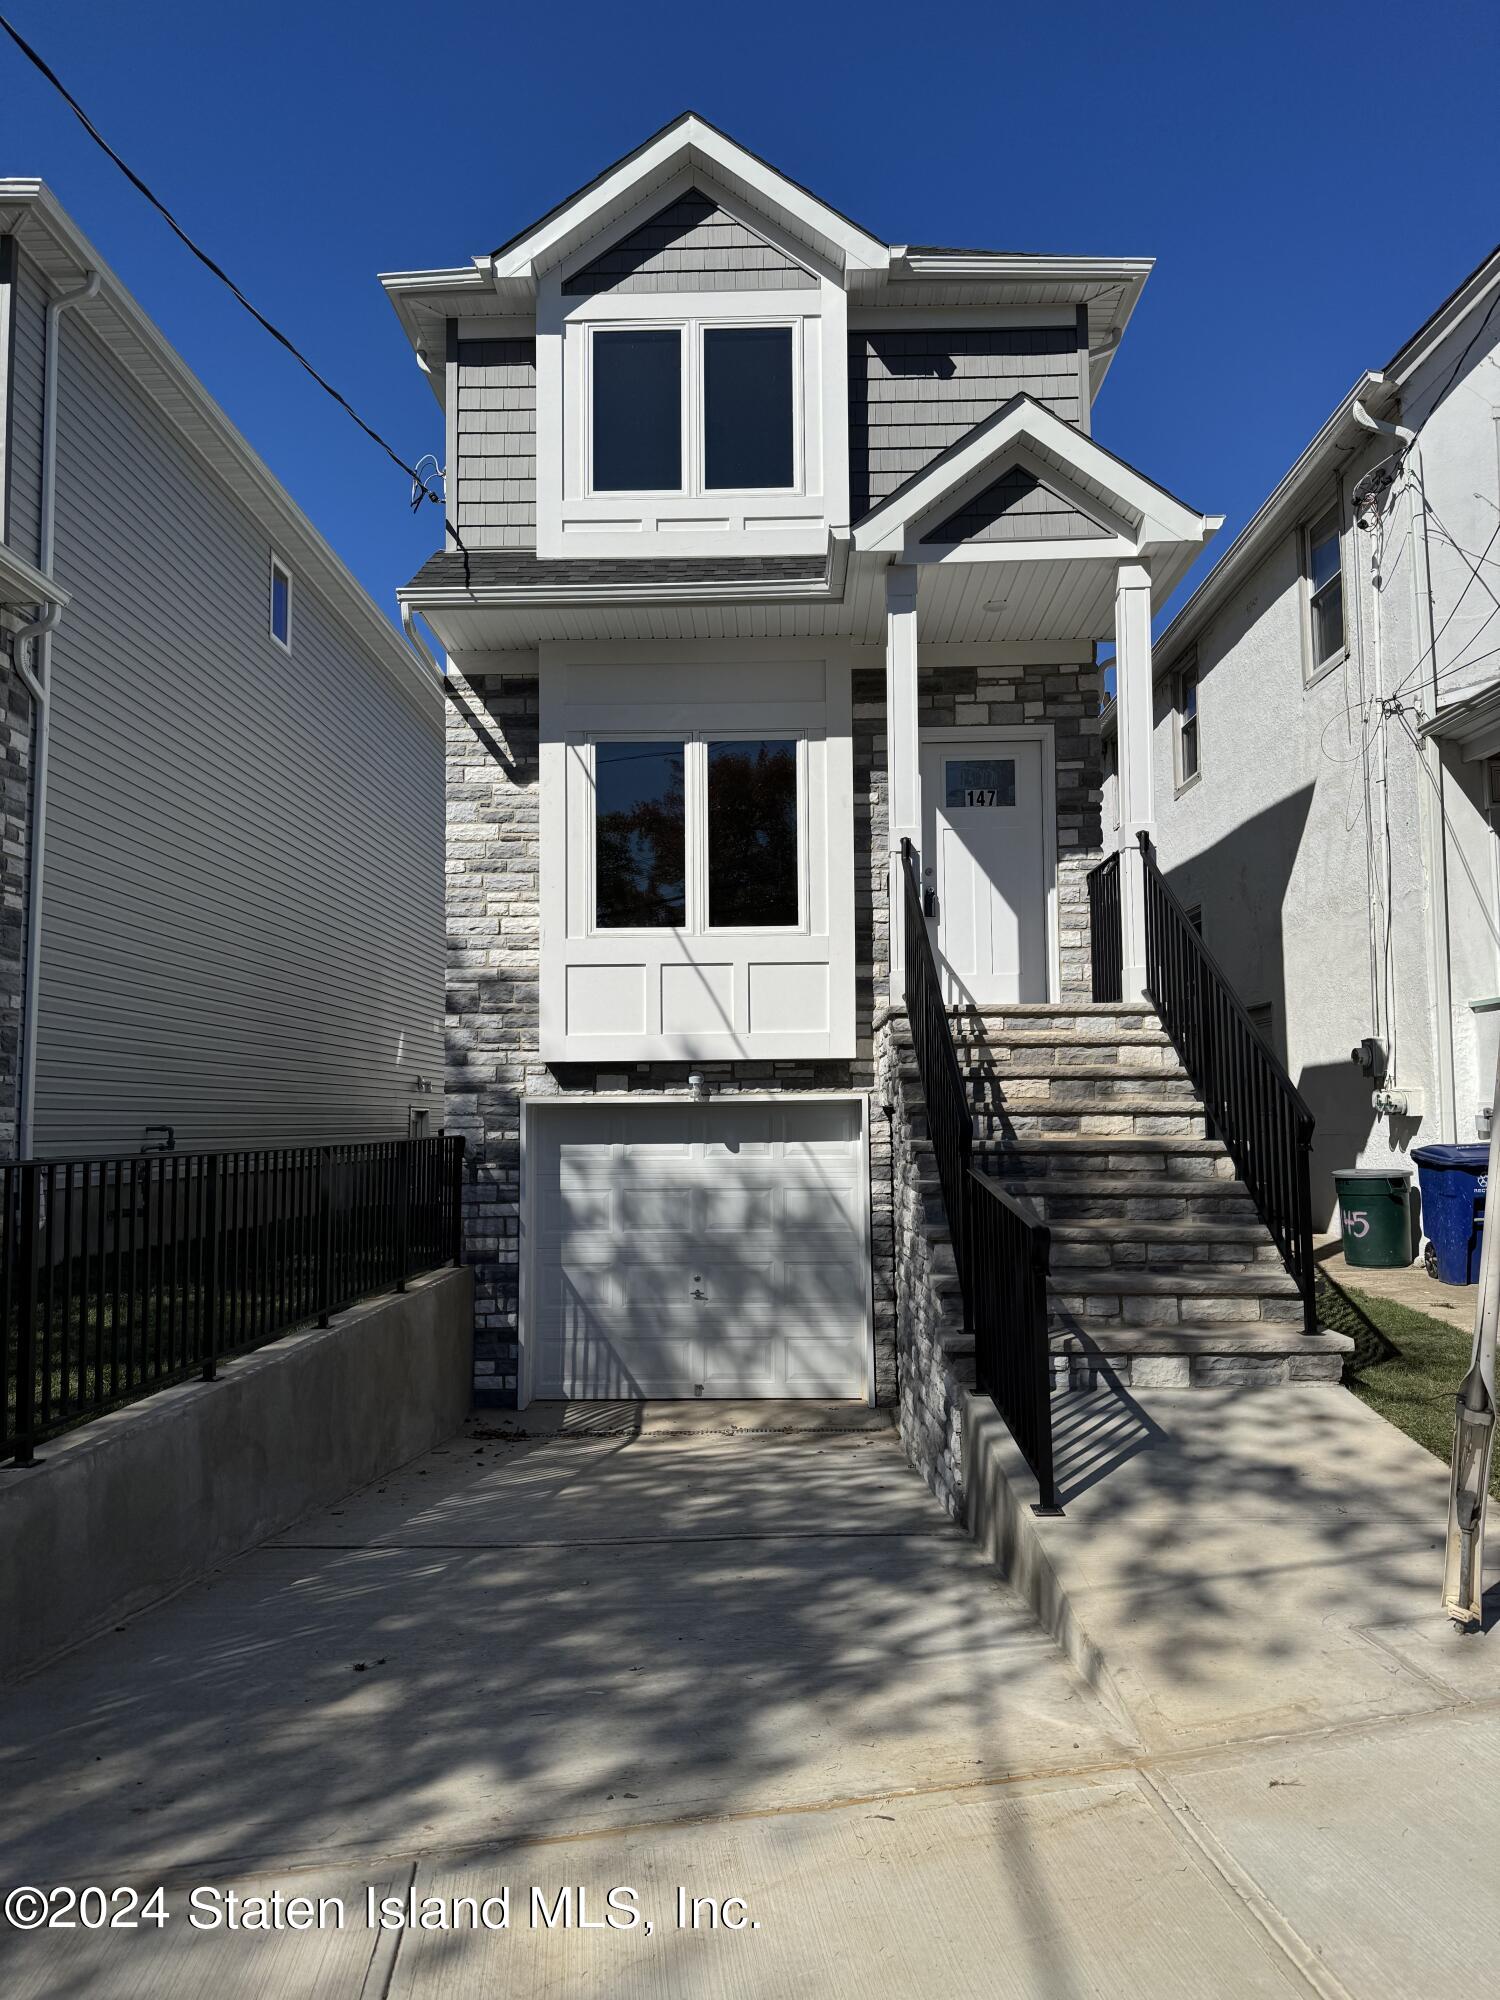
(496, 440)
(914, 391)
(23, 429)
(242, 902)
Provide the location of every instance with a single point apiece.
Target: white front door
(984, 860)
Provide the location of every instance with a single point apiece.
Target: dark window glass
(281, 605)
(747, 406)
(1325, 578)
(638, 832)
(979, 781)
(638, 411)
(752, 833)
(1187, 731)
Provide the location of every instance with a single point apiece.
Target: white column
(903, 777)
(1133, 712)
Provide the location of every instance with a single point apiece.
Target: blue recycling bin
(1453, 1189)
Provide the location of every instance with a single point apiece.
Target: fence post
(25, 1453)
(457, 1187)
(325, 1234)
(403, 1212)
(210, 1274)
(1306, 1270)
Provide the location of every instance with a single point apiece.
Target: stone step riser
(1091, 1163)
(997, 1093)
(1083, 1373)
(1190, 1207)
(1180, 1259)
(1096, 1312)
(1070, 1023)
(1108, 1122)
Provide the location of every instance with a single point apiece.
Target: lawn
(1405, 1365)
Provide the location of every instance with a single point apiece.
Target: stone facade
(15, 823)
(493, 1062)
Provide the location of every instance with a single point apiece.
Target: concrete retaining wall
(131, 1507)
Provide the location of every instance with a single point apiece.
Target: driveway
(732, 1660)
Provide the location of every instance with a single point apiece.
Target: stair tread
(1248, 1337)
(1041, 1038)
(1147, 1187)
(1098, 1142)
(1079, 1010)
(1192, 1281)
(1092, 1229)
(1102, 1107)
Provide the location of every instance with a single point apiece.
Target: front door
(984, 860)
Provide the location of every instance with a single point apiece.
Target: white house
(1327, 751)
(783, 545)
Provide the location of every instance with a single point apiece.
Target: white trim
(1044, 734)
(533, 1102)
(22, 582)
(279, 566)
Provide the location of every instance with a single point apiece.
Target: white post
(1133, 710)
(903, 777)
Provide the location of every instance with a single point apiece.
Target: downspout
(408, 626)
(40, 687)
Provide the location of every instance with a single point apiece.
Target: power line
(419, 483)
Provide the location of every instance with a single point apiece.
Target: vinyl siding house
(223, 890)
(1327, 752)
(782, 545)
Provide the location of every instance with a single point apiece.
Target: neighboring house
(781, 544)
(222, 860)
(1327, 767)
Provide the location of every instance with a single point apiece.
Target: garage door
(701, 1250)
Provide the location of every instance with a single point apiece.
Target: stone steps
(1102, 1243)
(1168, 1155)
(1132, 1199)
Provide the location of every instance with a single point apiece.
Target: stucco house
(221, 765)
(782, 546)
(1327, 752)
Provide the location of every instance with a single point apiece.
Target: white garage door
(701, 1250)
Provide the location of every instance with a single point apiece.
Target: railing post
(403, 1212)
(1306, 1274)
(459, 1145)
(325, 1235)
(1046, 1479)
(25, 1453)
(209, 1278)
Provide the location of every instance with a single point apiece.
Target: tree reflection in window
(752, 833)
(639, 820)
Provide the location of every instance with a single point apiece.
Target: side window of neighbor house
(1325, 591)
(281, 604)
(1187, 723)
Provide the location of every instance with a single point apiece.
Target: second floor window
(692, 409)
(747, 407)
(637, 412)
(1187, 725)
(1325, 591)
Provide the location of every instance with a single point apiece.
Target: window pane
(1323, 552)
(638, 836)
(1189, 703)
(638, 411)
(1189, 750)
(281, 604)
(1328, 622)
(747, 406)
(752, 833)
(979, 781)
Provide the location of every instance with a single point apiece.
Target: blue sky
(1311, 180)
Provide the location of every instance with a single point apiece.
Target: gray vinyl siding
(496, 432)
(913, 392)
(692, 245)
(24, 414)
(242, 903)
(1018, 507)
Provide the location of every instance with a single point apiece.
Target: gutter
(39, 686)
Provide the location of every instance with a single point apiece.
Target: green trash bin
(1375, 1216)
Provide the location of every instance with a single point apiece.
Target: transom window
(726, 393)
(702, 833)
(1325, 591)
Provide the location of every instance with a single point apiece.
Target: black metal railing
(1001, 1251)
(1104, 928)
(122, 1276)
(1251, 1102)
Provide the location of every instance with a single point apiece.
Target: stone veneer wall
(15, 823)
(493, 938)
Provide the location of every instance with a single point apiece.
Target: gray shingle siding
(915, 391)
(691, 245)
(1018, 507)
(24, 416)
(496, 430)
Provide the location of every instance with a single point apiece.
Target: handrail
(1251, 1102)
(1002, 1252)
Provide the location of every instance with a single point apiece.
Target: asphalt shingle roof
(522, 569)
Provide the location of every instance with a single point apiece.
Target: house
(222, 766)
(782, 545)
(1327, 752)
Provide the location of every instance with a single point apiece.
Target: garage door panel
(701, 1250)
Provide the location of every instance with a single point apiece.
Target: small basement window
(1325, 591)
(637, 410)
(281, 603)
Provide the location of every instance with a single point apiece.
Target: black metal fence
(120, 1276)
(1104, 928)
(1001, 1251)
(1252, 1104)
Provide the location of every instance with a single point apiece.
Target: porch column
(1133, 711)
(903, 778)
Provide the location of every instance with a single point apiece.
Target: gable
(1018, 507)
(692, 245)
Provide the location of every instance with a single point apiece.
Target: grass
(1406, 1365)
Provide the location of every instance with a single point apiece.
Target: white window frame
(1314, 669)
(690, 331)
(696, 833)
(1184, 670)
(279, 568)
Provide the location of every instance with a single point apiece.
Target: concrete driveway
(733, 1656)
